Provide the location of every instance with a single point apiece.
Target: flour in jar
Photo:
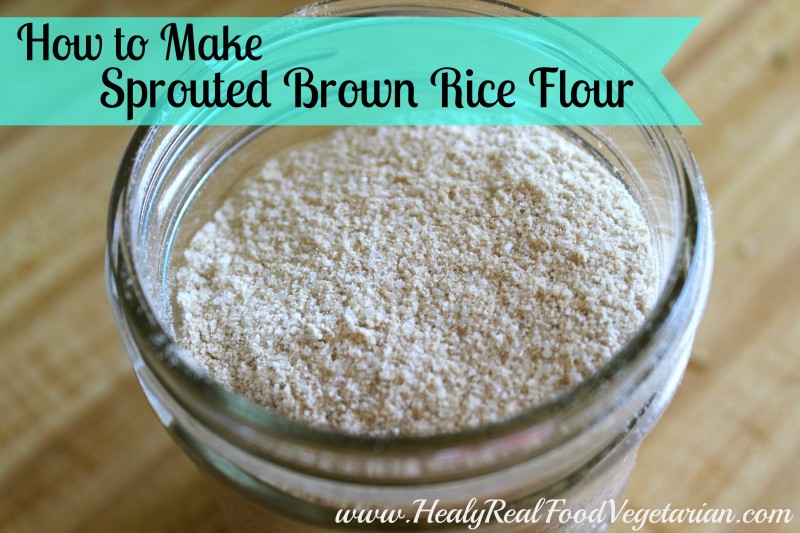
(416, 280)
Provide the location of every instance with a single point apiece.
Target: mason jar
(547, 468)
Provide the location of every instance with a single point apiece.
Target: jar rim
(690, 265)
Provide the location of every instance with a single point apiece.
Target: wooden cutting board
(80, 449)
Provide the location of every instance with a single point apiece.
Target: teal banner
(341, 71)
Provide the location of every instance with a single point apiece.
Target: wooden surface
(80, 449)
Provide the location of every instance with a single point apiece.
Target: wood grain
(80, 449)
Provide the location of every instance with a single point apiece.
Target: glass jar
(273, 474)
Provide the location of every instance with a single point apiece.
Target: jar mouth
(215, 405)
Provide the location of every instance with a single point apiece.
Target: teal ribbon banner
(341, 71)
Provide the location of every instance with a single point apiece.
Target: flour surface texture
(416, 280)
